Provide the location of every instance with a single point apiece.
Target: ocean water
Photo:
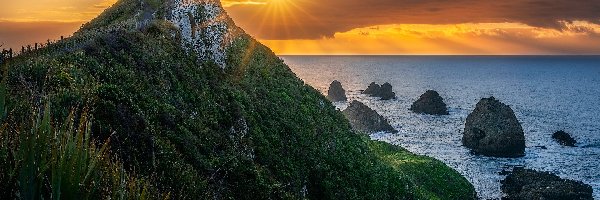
(547, 93)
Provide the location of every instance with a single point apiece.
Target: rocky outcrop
(364, 119)
(205, 28)
(564, 138)
(385, 91)
(372, 89)
(430, 103)
(526, 184)
(492, 129)
(336, 92)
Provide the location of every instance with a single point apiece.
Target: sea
(547, 93)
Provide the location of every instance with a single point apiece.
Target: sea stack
(430, 103)
(492, 129)
(373, 89)
(385, 91)
(564, 138)
(366, 120)
(526, 184)
(336, 92)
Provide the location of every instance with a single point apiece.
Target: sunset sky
(360, 26)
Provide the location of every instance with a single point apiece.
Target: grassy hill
(127, 111)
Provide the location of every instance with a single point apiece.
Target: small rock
(430, 103)
(364, 119)
(526, 184)
(492, 129)
(336, 92)
(373, 89)
(564, 138)
(385, 91)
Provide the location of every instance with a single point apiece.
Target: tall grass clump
(42, 160)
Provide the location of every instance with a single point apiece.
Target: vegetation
(432, 179)
(187, 129)
(43, 161)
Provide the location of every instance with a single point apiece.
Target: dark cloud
(311, 19)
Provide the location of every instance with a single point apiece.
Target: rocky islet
(336, 92)
(366, 120)
(492, 129)
(430, 103)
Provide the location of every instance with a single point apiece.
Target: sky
(349, 27)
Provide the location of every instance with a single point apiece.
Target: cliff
(190, 107)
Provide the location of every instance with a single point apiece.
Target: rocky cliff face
(202, 26)
(205, 28)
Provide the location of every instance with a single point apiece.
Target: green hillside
(127, 112)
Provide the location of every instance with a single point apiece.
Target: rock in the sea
(430, 103)
(492, 129)
(366, 120)
(336, 92)
(526, 184)
(385, 91)
(373, 89)
(564, 138)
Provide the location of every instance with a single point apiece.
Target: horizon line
(437, 54)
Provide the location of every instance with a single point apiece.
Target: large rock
(430, 103)
(492, 129)
(336, 92)
(364, 119)
(525, 184)
(385, 91)
(564, 138)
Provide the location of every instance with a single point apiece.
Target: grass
(45, 161)
(432, 178)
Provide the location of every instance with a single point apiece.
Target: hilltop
(190, 107)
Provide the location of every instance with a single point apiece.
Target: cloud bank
(314, 19)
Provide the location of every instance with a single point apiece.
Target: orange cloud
(312, 19)
(458, 39)
(52, 10)
(229, 3)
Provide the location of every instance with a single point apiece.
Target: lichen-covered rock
(430, 103)
(492, 129)
(205, 28)
(526, 184)
(564, 138)
(336, 92)
(364, 119)
(385, 91)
